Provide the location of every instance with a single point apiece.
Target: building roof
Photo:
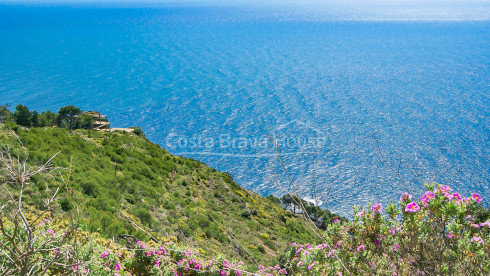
(95, 114)
(121, 129)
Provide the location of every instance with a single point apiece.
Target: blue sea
(344, 108)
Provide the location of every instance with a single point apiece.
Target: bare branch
(396, 172)
(307, 217)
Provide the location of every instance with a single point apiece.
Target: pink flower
(412, 207)
(475, 225)
(405, 196)
(51, 232)
(477, 239)
(448, 196)
(104, 254)
(157, 264)
(335, 220)
(457, 197)
(377, 208)
(487, 224)
(476, 197)
(427, 196)
(117, 267)
(311, 265)
(377, 242)
(445, 189)
(141, 244)
(395, 247)
(361, 247)
(393, 232)
(360, 214)
(162, 251)
(75, 267)
(450, 235)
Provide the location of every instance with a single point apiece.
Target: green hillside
(119, 178)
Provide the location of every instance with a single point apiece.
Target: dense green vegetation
(117, 180)
(319, 217)
(70, 117)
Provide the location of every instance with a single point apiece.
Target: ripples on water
(421, 88)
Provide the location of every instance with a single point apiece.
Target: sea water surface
(357, 110)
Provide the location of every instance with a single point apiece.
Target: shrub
(137, 131)
(245, 214)
(435, 235)
(144, 216)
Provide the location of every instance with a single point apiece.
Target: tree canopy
(22, 115)
(68, 115)
(4, 112)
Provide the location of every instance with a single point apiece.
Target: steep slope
(119, 180)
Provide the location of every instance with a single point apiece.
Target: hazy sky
(342, 9)
(302, 2)
(441, 3)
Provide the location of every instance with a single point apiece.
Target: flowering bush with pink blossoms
(434, 235)
(83, 253)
